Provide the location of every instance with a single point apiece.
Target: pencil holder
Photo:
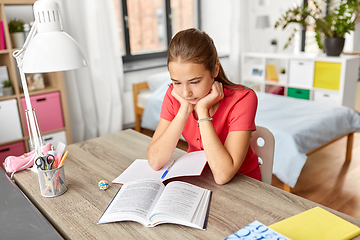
(52, 182)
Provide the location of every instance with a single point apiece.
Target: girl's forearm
(164, 143)
(219, 159)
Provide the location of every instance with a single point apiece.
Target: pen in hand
(167, 170)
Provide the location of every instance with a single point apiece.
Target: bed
(300, 127)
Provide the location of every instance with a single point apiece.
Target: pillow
(154, 81)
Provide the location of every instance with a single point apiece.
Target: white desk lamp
(47, 49)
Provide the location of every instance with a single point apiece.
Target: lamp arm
(18, 54)
(33, 128)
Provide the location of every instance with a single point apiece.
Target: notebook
(315, 224)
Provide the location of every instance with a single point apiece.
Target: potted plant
(329, 29)
(282, 75)
(16, 32)
(7, 88)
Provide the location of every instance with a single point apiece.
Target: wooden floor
(326, 178)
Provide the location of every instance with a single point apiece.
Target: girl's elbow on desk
(155, 166)
(221, 180)
(154, 162)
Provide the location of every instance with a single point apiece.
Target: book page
(179, 200)
(190, 164)
(135, 199)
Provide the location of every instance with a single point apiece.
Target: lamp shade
(51, 52)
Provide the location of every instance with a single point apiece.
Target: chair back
(263, 144)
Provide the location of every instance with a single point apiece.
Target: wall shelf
(308, 76)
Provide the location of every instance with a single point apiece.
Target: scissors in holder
(45, 162)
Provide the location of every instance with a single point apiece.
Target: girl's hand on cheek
(184, 103)
(215, 95)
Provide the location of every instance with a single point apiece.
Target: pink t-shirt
(236, 112)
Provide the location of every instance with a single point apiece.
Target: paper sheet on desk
(190, 164)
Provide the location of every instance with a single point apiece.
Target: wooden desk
(75, 213)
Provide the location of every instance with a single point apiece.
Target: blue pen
(167, 170)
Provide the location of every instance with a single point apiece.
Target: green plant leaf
(15, 25)
(340, 20)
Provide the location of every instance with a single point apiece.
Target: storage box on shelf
(51, 104)
(11, 149)
(10, 126)
(307, 76)
(48, 111)
(54, 138)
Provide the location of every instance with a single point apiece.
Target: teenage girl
(212, 113)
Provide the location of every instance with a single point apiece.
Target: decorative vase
(273, 48)
(17, 39)
(334, 46)
(7, 91)
(282, 78)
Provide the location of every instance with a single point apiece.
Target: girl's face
(191, 81)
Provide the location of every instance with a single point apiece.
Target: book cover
(257, 230)
(271, 72)
(2, 36)
(314, 224)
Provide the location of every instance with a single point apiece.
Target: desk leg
(287, 188)
(349, 145)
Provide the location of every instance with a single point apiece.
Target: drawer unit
(10, 126)
(13, 149)
(327, 75)
(308, 76)
(332, 98)
(53, 138)
(48, 111)
(301, 73)
(299, 93)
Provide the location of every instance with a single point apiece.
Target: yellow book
(271, 72)
(316, 224)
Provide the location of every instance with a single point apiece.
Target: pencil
(63, 159)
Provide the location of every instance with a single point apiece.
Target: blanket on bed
(299, 127)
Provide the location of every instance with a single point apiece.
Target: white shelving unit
(308, 76)
(13, 128)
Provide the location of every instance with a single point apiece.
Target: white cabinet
(53, 138)
(10, 126)
(314, 77)
(301, 73)
(327, 97)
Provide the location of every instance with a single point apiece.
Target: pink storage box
(13, 149)
(48, 111)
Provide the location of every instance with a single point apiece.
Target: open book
(189, 164)
(150, 203)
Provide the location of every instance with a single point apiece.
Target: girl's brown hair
(193, 45)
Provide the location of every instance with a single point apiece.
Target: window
(146, 26)
(310, 40)
(308, 43)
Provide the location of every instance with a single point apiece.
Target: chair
(263, 144)
(138, 110)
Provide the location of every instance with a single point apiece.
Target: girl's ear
(217, 68)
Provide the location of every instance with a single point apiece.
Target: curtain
(95, 92)
(240, 40)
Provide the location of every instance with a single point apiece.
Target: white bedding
(299, 126)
